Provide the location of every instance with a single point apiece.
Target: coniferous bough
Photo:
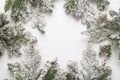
(3, 22)
(105, 51)
(20, 73)
(106, 29)
(50, 70)
(12, 37)
(84, 9)
(73, 71)
(91, 69)
(79, 9)
(23, 11)
(101, 4)
(30, 70)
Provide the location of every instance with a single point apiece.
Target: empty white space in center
(63, 37)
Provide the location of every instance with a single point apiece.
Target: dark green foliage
(113, 13)
(46, 6)
(16, 4)
(34, 3)
(105, 51)
(8, 5)
(15, 70)
(72, 72)
(119, 57)
(12, 4)
(40, 27)
(1, 53)
(70, 77)
(23, 11)
(18, 10)
(50, 75)
(12, 37)
(51, 71)
(105, 74)
(3, 20)
(12, 66)
(72, 8)
(19, 77)
(102, 4)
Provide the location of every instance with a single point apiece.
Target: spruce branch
(106, 29)
(83, 10)
(12, 37)
(105, 51)
(91, 69)
(29, 67)
(23, 11)
(50, 70)
(73, 71)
